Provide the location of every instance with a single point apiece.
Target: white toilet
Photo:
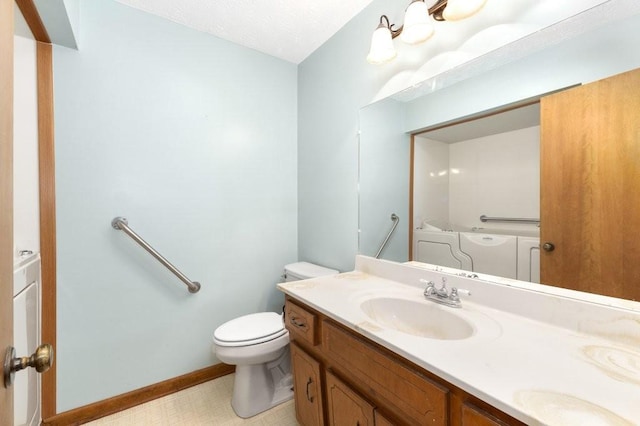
(258, 345)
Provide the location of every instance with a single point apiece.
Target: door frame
(46, 171)
(47, 199)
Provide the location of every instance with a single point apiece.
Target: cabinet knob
(548, 246)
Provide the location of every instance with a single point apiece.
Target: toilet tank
(304, 270)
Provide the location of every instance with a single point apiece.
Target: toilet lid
(251, 329)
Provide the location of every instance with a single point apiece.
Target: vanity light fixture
(417, 26)
(460, 9)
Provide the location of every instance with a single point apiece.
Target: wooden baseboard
(118, 403)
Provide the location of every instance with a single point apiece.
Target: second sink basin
(424, 319)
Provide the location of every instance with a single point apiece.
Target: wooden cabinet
(345, 407)
(342, 378)
(474, 416)
(301, 323)
(307, 387)
(381, 420)
(396, 386)
(590, 175)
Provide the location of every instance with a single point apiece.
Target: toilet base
(260, 387)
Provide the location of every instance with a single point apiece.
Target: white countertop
(543, 359)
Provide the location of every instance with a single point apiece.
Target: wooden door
(345, 407)
(590, 187)
(307, 387)
(6, 198)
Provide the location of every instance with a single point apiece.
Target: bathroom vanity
(368, 348)
(367, 384)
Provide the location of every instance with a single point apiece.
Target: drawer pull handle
(309, 398)
(295, 321)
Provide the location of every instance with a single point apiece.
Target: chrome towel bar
(121, 224)
(395, 220)
(485, 218)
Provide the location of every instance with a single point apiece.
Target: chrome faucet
(442, 295)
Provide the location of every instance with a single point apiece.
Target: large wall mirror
(461, 166)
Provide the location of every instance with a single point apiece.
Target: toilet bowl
(258, 345)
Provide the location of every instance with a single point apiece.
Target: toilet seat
(250, 330)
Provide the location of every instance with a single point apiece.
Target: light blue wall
(384, 154)
(60, 17)
(193, 140)
(73, 12)
(333, 83)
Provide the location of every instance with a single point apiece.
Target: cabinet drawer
(390, 383)
(301, 323)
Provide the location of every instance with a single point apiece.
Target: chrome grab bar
(485, 218)
(121, 224)
(395, 220)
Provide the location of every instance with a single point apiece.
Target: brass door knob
(548, 246)
(41, 360)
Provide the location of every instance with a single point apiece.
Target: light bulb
(417, 27)
(382, 49)
(460, 9)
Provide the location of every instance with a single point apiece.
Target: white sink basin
(418, 318)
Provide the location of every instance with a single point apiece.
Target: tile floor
(206, 404)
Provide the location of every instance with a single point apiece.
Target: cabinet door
(390, 383)
(473, 416)
(307, 387)
(590, 175)
(345, 407)
(381, 420)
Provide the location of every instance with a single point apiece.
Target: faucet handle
(456, 291)
(429, 283)
(431, 287)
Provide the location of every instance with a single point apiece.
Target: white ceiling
(287, 29)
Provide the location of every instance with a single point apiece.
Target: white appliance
(440, 248)
(502, 255)
(26, 337)
(492, 254)
(529, 259)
